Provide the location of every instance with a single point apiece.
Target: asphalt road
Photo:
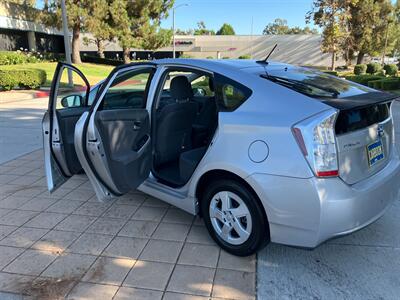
(363, 265)
(20, 127)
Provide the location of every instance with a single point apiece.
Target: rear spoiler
(360, 101)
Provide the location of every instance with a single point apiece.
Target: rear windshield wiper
(302, 87)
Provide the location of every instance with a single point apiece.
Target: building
(20, 28)
(294, 49)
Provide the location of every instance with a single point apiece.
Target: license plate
(375, 153)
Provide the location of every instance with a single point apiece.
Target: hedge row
(32, 78)
(334, 73)
(376, 81)
(386, 84)
(102, 61)
(364, 79)
(12, 58)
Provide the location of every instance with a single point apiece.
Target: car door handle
(137, 125)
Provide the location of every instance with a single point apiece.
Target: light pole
(66, 40)
(173, 26)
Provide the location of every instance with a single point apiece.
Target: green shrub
(391, 69)
(209, 57)
(364, 79)
(12, 58)
(32, 78)
(373, 68)
(334, 73)
(390, 84)
(375, 84)
(360, 69)
(226, 57)
(244, 57)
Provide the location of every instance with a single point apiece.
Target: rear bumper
(306, 212)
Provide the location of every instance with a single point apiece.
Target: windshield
(313, 83)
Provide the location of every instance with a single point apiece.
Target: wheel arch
(216, 174)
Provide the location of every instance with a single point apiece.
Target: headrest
(180, 88)
(211, 84)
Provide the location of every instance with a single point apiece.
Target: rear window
(359, 118)
(314, 83)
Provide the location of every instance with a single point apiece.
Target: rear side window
(230, 94)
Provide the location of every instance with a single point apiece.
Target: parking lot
(69, 245)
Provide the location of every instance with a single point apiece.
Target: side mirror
(72, 101)
(199, 91)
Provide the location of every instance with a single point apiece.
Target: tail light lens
(316, 139)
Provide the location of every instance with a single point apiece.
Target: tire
(248, 230)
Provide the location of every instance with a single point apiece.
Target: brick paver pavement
(69, 245)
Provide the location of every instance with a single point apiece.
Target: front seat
(174, 122)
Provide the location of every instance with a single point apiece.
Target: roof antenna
(265, 61)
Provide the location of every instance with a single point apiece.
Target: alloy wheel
(230, 217)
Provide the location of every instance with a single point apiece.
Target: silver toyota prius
(262, 151)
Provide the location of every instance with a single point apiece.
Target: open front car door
(112, 139)
(67, 102)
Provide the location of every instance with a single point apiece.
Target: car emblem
(380, 131)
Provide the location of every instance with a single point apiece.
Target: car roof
(238, 64)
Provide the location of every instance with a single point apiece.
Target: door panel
(67, 102)
(67, 119)
(113, 140)
(126, 143)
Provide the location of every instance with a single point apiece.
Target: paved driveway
(69, 245)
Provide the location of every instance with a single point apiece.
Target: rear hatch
(364, 141)
(364, 126)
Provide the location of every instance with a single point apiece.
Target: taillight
(317, 142)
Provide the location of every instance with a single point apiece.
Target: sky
(238, 13)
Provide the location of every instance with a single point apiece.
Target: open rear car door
(112, 139)
(67, 102)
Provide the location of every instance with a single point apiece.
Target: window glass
(314, 83)
(201, 86)
(128, 90)
(230, 94)
(93, 93)
(199, 82)
(71, 90)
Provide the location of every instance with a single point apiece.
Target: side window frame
(151, 71)
(118, 70)
(174, 68)
(219, 82)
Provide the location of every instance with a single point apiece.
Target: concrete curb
(13, 96)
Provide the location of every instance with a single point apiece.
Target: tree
(368, 25)
(30, 3)
(157, 38)
(332, 16)
(226, 29)
(280, 26)
(77, 12)
(184, 32)
(98, 23)
(136, 23)
(202, 29)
